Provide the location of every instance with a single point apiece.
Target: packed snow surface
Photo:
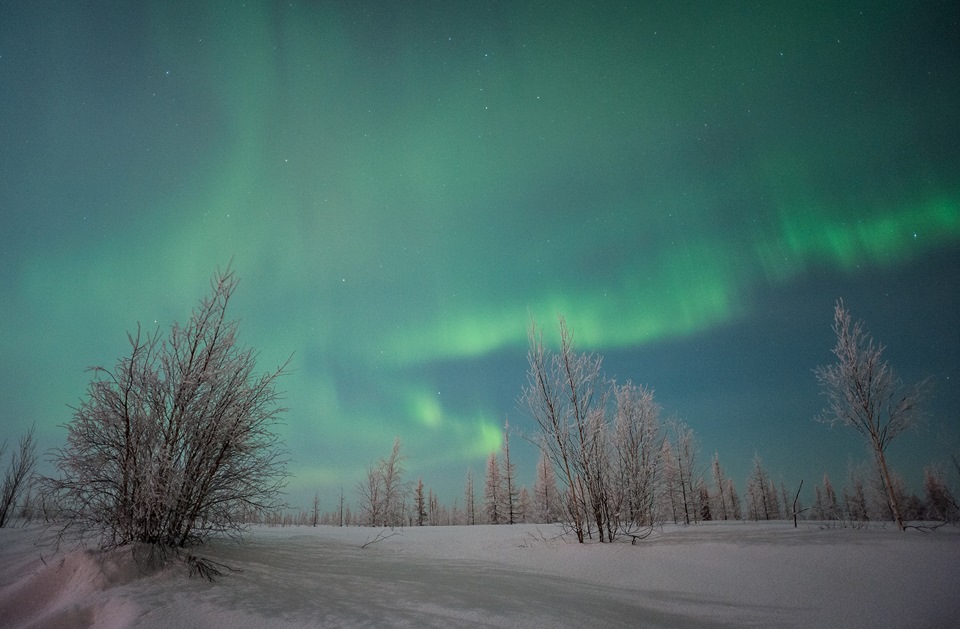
(708, 575)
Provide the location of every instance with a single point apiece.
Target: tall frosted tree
(733, 501)
(493, 492)
(509, 477)
(706, 513)
(419, 503)
(177, 441)
(523, 505)
(547, 500)
(830, 507)
(671, 495)
(470, 500)
(759, 501)
(773, 498)
(637, 443)
(394, 490)
(785, 501)
(433, 508)
(686, 478)
(855, 498)
(863, 393)
(719, 480)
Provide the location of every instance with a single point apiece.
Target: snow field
(709, 575)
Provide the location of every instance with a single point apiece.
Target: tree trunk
(891, 496)
(795, 498)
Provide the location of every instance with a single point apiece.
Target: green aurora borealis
(402, 186)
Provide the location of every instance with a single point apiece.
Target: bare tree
(825, 504)
(855, 497)
(546, 400)
(370, 490)
(829, 506)
(941, 505)
(17, 478)
(862, 392)
(605, 496)
(177, 441)
(382, 492)
(566, 397)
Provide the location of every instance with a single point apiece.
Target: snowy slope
(711, 575)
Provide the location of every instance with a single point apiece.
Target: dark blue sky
(401, 187)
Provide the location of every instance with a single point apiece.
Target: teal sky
(402, 186)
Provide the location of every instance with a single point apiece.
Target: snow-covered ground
(710, 575)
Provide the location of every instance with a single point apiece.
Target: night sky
(402, 187)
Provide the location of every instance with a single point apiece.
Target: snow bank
(67, 590)
(711, 575)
